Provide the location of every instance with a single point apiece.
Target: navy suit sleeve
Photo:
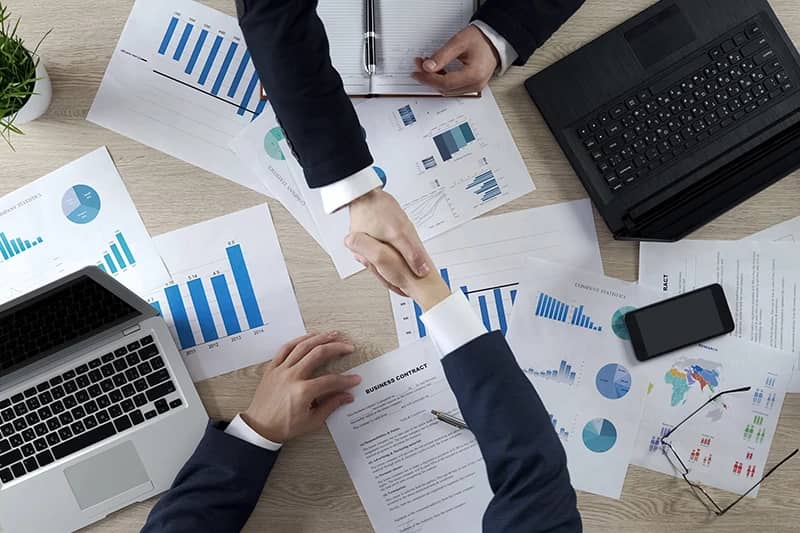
(527, 24)
(216, 490)
(525, 462)
(290, 50)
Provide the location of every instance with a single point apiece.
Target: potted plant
(25, 90)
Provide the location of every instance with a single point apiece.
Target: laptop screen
(57, 319)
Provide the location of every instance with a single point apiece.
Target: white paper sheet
(412, 472)
(726, 445)
(232, 304)
(79, 215)
(487, 256)
(181, 81)
(568, 335)
(788, 231)
(761, 281)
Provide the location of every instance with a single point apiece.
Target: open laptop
(97, 410)
(678, 114)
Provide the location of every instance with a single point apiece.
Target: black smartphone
(679, 322)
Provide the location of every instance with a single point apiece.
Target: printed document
(485, 259)
(760, 279)
(411, 471)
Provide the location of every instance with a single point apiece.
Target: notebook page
(344, 24)
(414, 28)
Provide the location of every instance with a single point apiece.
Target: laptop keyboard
(83, 406)
(652, 127)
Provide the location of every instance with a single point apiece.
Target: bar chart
(231, 303)
(212, 62)
(494, 304)
(554, 309)
(224, 320)
(13, 246)
(562, 432)
(407, 115)
(485, 186)
(453, 140)
(564, 374)
(118, 257)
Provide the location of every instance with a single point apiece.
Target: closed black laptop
(678, 114)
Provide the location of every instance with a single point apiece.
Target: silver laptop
(97, 410)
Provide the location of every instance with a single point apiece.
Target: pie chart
(272, 144)
(613, 381)
(81, 204)
(618, 323)
(599, 435)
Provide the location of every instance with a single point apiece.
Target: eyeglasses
(678, 464)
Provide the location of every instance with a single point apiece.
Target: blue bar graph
(513, 297)
(237, 79)
(453, 140)
(187, 31)
(179, 317)
(484, 312)
(553, 309)
(210, 60)
(259, 109)
(157, 307)
(564, 374)
(198, 47)
(501, 312)
(420, 323)
(248, 94)
(173, 23)
(203, 310)
(225, 302)
(118, 256)
(223, 71)
(102, 267)
(12, 246)
(245, 286)
(110, 262)
(125, 249)
(563, 434)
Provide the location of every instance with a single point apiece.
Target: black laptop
(678, 114)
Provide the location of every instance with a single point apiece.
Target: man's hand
(290, 401)
(387, 265)
(379, 215)
(474, 50)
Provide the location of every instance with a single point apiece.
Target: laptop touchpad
(660, 36)
(107, 475)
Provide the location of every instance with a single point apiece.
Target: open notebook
(406, 29)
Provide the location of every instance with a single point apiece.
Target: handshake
(293, 399)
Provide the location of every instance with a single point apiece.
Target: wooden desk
(309, 489)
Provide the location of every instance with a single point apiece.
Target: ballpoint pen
(370, 49)
(447, 419)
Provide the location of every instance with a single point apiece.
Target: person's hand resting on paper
(294, 398)
(378, 215)
(388, 266)
(477, 55)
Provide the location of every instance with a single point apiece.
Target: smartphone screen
(679, 322)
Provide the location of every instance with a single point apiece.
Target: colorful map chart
(688, 373)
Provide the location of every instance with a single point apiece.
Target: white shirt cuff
(504, 49)
(339, 194)
(238, 428)
(452, 323)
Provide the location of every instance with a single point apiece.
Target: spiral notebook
(406, 29)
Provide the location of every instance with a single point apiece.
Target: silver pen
(370, 44)
(447, 419)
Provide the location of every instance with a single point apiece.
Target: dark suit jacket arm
(216, 490)
(526, 24)
(290, 50)
(525, 461)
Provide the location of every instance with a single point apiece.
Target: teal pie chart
(272, 144)
(599, 435)
(81, 204)
(618, 323)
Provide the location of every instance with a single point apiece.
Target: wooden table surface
(309, 489)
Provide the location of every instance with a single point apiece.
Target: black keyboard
(666, 120)
(83, 406)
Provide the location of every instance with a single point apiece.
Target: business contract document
(412, 472)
